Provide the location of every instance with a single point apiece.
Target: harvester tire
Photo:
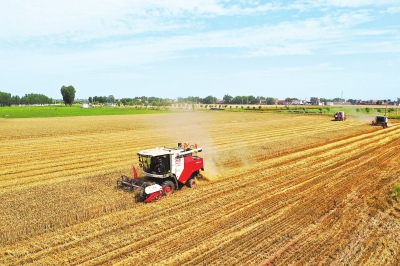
(191, 183)
(168, 188)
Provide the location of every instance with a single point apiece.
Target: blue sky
(181, 48)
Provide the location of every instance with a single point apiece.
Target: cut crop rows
(279, 189)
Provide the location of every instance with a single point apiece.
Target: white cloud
(392, 10)
(328, 35)
(355, 3)
(304, 4)
(79, 38)
(54, 24)
(99, 19)
(354, 18)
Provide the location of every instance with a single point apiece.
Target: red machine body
(191, 165)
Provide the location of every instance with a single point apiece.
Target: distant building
(298, 102)
(283, 102)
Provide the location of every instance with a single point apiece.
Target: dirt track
(280, 189)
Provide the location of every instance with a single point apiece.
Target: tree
(251, 99)
(15, 100)
(5, 98)
(34, 98)
(68, 94)
(314, 100)
(110, 98)
(367, 109)
(238, 100)
(227, 98)
(352, 101)
(290, 99)
(209, 100)
(270, 101)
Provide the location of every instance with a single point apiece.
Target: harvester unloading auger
(165, 170)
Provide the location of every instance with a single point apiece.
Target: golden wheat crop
(278, 189)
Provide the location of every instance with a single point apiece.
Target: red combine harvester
(165, 170)
(340, 116)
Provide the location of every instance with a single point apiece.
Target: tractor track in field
(267, 207)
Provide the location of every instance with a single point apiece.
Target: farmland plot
(278, 190)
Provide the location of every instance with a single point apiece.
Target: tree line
(227, 99)
(140, 100)
(68, 95)
(6, 99)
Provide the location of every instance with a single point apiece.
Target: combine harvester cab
(165, 170)
(340, 116)
(380, 120)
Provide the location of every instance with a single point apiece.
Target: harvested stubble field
(279, 190)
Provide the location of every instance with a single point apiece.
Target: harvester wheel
(191, 183)
(168, 188)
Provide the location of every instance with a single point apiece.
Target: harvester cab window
(146, 161)
(160, 164)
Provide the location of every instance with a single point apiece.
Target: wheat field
(278, 189)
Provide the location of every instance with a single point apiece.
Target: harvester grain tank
(165, 170)
(380, 120)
